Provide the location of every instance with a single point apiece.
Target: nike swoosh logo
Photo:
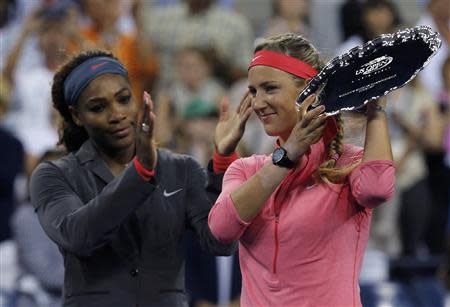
(94, 67)
(254, 59)
(167, 194)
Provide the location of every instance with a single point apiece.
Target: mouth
(121, 132)
(266, 117)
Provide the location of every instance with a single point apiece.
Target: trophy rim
(423, 33)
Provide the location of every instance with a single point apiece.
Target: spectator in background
(199, 120)
(133, 49)
(188, 113)
(437, 16)
(422, 223)
(8, 29)
(33, 120)
(194, 82)
(444, 99)
(377, 17)
(41, 264)
(412, 109)
(288, 17)
(11, 165)
(211, 281)
(200, 23)
(350, 18)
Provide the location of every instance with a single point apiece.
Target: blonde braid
(328, 172)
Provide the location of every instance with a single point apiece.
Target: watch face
(277, 155)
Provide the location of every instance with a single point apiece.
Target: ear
(75, 116)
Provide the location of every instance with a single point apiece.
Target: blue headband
(87, 71)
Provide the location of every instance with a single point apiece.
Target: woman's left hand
(231, 125)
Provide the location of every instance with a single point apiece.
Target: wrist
(374, 108)
(143, 171)
(280, 158)
(225, 151)
(292, 153)
(221, 162)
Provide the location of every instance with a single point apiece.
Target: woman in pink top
(302, 215)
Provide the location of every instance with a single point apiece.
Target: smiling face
(108, 112)
(274, 93)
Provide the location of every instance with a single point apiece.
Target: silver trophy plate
(372, 70)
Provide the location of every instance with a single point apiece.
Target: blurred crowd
(190, 54)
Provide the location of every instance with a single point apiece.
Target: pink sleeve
(224, 221)
(373, 182)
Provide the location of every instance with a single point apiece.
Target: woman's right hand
(308, 130)
(145, 145)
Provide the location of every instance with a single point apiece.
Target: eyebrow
(98, 99)
(265, 83)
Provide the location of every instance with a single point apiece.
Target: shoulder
(58, 167)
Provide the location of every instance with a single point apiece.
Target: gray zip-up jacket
(121, 237)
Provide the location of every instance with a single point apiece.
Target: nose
(117, 113)
(258, 102)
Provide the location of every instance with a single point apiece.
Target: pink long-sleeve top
(305, 247)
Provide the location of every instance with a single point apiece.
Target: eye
(270, 88)
(124, 99)
(252, 91)
(97, 108)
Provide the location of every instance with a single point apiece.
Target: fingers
(305, 105)
(244, 99)
(148, 115)
(246, 105)
(224, 106)
(316, 113)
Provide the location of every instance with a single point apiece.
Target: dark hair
(299, 47)
(276, 11)
(71, 135)
(371, 5)
(8, 12)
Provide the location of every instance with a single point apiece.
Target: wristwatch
(280, 158)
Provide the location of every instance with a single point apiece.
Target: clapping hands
(231, 125)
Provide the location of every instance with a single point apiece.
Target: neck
(118, 157)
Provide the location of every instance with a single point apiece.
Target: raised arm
(373, 182)
(377, 143)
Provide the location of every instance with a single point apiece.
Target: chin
(123, 143)
(270, 131)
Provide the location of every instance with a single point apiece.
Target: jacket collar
(90, 158)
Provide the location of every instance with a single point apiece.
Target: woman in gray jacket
(117, 205)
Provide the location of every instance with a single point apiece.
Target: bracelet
(142, 171)
(221, 163)
(377, 108)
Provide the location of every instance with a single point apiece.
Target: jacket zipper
(275, 256)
